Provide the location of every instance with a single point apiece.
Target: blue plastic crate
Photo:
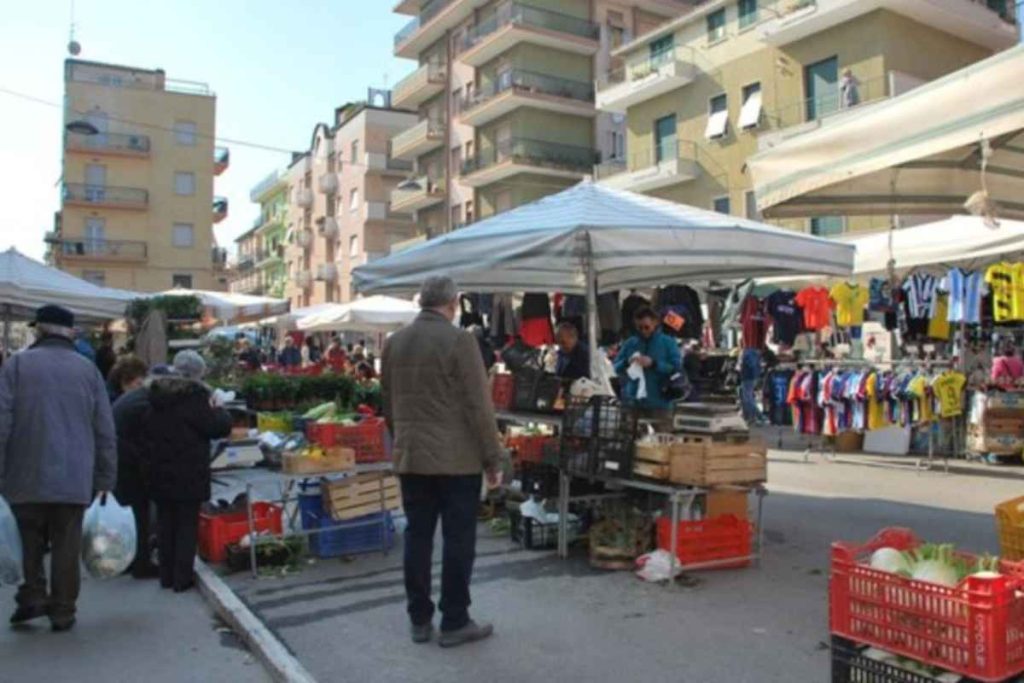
(366, 538)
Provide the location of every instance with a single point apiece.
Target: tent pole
(593, 329)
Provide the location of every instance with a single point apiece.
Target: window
(469, 150)
(181, 281)
(353, 246)
(469, 211)
(821, 83)
(184, 183)
(716, 26)
(827, 226)
(95, 235)
(665, 139)
(750, 115)
(96, 277)
(457, 216)
(750, 199)
(748, 13)
(457, 100)
(618, 145)
(456, 160)
(185, 133)
(353, 200)
(718, 118)
(721, 204)
(183, 235)
(355, 151)
(661, 50)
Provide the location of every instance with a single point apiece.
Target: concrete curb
(279, 662)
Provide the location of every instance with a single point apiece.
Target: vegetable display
(934, 563)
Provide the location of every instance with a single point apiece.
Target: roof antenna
(74, 48)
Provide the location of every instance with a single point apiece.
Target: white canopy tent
(286, 322)
(372, 314)
(590, 239)
(231, 307)
(918, 153)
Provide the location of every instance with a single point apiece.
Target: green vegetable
(321, 411)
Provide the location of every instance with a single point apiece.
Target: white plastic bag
(657, 566)
(10, 547)
(108, 537)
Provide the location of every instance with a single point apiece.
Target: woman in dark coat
(129, 418)
(179, 424)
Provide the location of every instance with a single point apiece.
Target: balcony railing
(219, 257)
(638, 67)
(538, 153)
(828, 103)
(518, 14)
(105, 194)
(424, 186)
(221, 159)
(427, 12)
(103, 249)
(220, 209)
(432, 127)
(530, 82)
(122, 143)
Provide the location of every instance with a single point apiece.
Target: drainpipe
(449, 124)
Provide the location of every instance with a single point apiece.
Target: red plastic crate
(709, 540)
(531, 447)
(975, 629)
(503, 391)
(217, 531)
(369, 439)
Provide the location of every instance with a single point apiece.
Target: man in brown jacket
(439, 411)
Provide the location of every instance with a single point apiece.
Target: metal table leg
(252, 529)
(563, 514)
(674, 542)
(761, 493)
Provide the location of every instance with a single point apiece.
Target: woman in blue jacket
(657, 354)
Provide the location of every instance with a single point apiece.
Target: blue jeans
(455, 501)
(748, 400)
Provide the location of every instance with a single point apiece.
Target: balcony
(426, 193)
(303, 197)
(92, 249)
(327, 227)
(518, 88)
(219, 257)
(246, 262)
(435, 18)
(983, 22)
(220, 209)
(425, 136)
(521, 155)
(328, 183)
(386, 164)
(643, 77)
(419, 86)
(113, 144)
(266, 257)
(105, 196)
(274, 181)
(304, 279)
(327, 272)
(382, 211)
(221, 159)
(652, 169)
(515, 23)
(804, 115)
(304, 238)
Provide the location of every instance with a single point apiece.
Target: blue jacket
(663, 351)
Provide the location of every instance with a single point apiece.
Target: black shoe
(470, 633)
(25, 614)
(62, 625)
(181, 588)
(422, 633)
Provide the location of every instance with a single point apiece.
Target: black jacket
(179, 424)
(129, 418)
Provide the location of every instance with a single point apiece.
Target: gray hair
(437, 292)
(189, 364)
(49, 329)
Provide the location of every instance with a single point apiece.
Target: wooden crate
(725, 502)
(360, 495)
(651, 470)
(656, 448)
(701, 461)
(334, 460)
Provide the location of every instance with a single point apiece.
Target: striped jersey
(965, 287)
(920, 290)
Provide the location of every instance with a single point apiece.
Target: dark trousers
(143, 554)
(177, 532)
(61, 526)
(455, 500)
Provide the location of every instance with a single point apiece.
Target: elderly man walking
(439, 410)
(57, 450)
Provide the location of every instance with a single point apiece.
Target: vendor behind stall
(573, 359)
(1007, 367)
(646, 363)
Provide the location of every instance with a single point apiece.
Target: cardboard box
(727, 503)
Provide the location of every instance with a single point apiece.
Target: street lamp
(81, 127)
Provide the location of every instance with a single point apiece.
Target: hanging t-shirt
(921, 406)
(880, 291)
(754, 323)
(850, 300)
(965, 288)
(786, 315)
(875, 406)
(920, 290)
(817, 307)
(948, 388)
(1000, 280)
(938, 325)
(1018, 291)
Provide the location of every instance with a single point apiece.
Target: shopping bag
(108, 537)
(10, 547)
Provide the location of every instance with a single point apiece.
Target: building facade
(260, 268)
(339, 202)
(139, 161)
(504, 92)
(708, 90)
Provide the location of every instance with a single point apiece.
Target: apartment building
(504, 91)
(137, 206)
(260, 268)
(704, 92)
(340, 212)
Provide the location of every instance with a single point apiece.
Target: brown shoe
(470, 633)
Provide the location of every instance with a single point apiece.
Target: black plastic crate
(535, 535)
(536, 391)
(541, 480)
(850, 665)
(598, 437)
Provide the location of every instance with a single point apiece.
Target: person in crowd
(83, 346)
(249, 356)
(127, 374)
(180, 422)
(650, 354)
(313, 352)
(105, 356)
(57, 449)
(485, 345)
(438, 408)
(290, 356)
(358, 354)
(336, 355)
(365, 374)
(691, 367)
(573, 357)
(750, 374)
(1007, 367)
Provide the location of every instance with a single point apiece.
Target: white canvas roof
(229, 306)
(372, 314)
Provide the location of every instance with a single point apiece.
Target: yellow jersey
(1002, 279)
(938, 325)
(949, 393)
(850, 301)
(876, 411)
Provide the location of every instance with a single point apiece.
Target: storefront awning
(918, 153)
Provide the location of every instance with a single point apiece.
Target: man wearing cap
(57, 450)
(439, 409)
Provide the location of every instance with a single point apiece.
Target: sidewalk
(127, 631)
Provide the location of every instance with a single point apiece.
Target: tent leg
(593, 328)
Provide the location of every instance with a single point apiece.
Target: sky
(277, 69)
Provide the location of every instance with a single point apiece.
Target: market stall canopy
(629, 240)
(27, 284)
(919, 153)
(286, 322)
(231, 307)
(372, 314)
